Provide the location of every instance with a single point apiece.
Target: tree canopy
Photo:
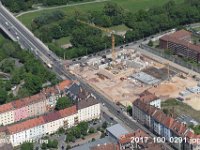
(63, 103)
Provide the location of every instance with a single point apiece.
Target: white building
(6, 114)
(150, 99)
(33, 129)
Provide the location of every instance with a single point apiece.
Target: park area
(128, 5)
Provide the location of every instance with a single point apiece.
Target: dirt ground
(193, 100)
(120, 88)
(171, 89)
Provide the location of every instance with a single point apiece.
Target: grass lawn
(120, 28)
(181, 108)
(197, 29)
(130, 5)
(63, 41)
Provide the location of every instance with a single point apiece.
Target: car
(104, 56)
(126, 45)
(121, 47)
(111, 118)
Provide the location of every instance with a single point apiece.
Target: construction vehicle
(105, 30)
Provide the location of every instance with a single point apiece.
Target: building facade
(32, 106)
(165, 126)
(180, 44)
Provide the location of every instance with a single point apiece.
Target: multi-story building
(85, 109)
(165, 126)
(49, 123)
(86, 102)
(32, 106)
(150, 98)
(6, 114)
(180, 44)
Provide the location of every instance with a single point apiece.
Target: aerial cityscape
(99, 75)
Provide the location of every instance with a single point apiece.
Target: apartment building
(87, 102)
(85, 108)
(49, 123)
(165, 126)
(6, 114)
(32, 106)
(180, 44)
(150, 98)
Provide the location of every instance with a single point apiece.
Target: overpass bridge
(24, 37)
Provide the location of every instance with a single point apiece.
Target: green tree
(26, 146)
(104, 125)
(129, 110)
(91, 130)
(63, 103)
(150, 43)
(3, 95)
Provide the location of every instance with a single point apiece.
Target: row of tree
(23, 68)
(86, 39)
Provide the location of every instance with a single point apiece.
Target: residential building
(31, 106)
(6, 114)
(87, 102)
(165, 126)
(150, 98)
(84, 110)
(180, 44)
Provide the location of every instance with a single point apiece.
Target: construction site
(130, 73)
(122, 76)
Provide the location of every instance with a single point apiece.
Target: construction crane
(105, 30)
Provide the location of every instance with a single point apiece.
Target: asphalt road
(60, 71)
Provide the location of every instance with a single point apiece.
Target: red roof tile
(68, 111)
(6, 107)
(52, 116)
(105, 146)
(128, 137)
(64, 84)
(147, 97)
(176, 38)
(28, 100)
(180, 34)
(15, 128)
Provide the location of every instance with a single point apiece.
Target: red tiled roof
(159, 116)
(52, 116)
(128, 137)
(105, 146)
(175, 38)
(12, 129)
(147, 97)
(168, 122)
(179, 128)
(28, 100)
(180, 34)
(6, 107)
(68, 111)
(150, 110)
(64, 84)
